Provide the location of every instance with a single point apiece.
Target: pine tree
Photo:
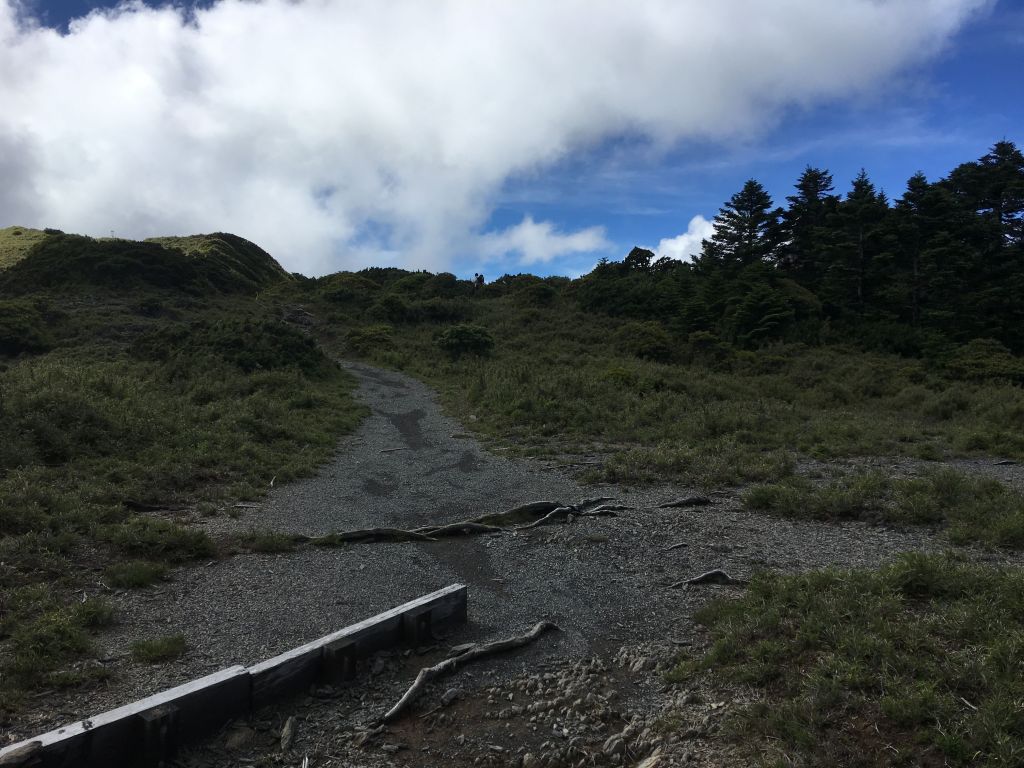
(746, 231)
(856, 237)
(803, 226)
(925, 269)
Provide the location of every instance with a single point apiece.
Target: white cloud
(333, 131)
(687, 245)
(533, 242)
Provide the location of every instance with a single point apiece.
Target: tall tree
(803, 226)
(856, 237)
(746, 231)
(924, 271)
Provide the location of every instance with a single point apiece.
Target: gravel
(603, 581)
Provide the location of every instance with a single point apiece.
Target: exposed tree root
(687, 501)
(464, 528)
(368, 534)
(716, 576)
(519, 518)
(472, 653)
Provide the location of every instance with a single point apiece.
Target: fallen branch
(550, 517)
(687, 501)
(548, 511)
(451, 664)
(368, 534)
(464, 528)
(716, 576)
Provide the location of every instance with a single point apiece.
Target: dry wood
(369, 534)
(716, 576)
(288, 734)
(539, 512)
(686, 501)
(451, 664)
(464, 528)
(554, 514)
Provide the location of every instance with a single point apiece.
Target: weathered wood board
(150, 730)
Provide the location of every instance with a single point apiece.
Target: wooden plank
(113, 737)
(148, 731)
(295, 670)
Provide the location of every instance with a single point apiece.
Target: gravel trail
(604, 581)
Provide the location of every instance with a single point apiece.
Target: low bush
(461, 340)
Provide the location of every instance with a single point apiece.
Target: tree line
(942, 265)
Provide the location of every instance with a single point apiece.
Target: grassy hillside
(913, 664)
(141, 384)
(15, 243)
(145, 383)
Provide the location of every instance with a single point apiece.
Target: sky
(466, 136)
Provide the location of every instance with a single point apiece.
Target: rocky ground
(592, 693)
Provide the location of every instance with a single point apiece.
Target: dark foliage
(942, 266)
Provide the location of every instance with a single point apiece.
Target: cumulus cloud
(532, 242)
(339, 132)
(687, 245)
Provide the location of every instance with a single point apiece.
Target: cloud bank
(687, 245)
(337, 133)
(539, 243)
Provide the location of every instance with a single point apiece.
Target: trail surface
(603, 581)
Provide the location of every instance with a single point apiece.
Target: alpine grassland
(845, 360)
(915, 664)
(140, 383)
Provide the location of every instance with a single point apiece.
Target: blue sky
(930, 119)
(489, 173)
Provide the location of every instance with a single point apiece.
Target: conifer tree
(803, 226)
(856, 237)
(746, 231)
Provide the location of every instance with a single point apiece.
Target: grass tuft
(134, 574)
(159, 649)
(973, 509)
(919, 661)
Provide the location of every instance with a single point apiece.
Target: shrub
(465, 339)
(134, 574)
(986, 359)
(22, 329)
(648, 340)
(370, 338)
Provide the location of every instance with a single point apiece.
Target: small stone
(239, 738)
(449, 696)
(614, 746)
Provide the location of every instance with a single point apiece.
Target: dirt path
(603, 581)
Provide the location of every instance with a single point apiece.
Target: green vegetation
(461, 340)
(268, 542)
(134, 574)
(918, 663)
(159, 649)
(16, 242)
(975, 509)
(182, 373)
(136, 377)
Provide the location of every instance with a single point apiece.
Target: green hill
(16, 242)
(200, 264)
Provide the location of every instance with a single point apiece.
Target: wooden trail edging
(149, 730)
